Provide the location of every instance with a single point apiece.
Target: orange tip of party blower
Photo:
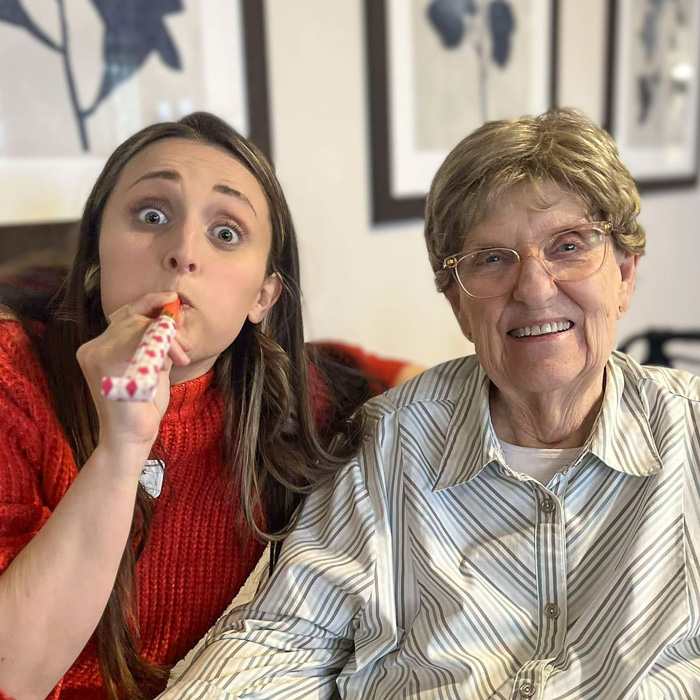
(140, 381)
(172, 309)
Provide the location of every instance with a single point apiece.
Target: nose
(534, 286)
(181, 253)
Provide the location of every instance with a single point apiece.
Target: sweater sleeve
(22, 509)
(27, 430)
(36, 465)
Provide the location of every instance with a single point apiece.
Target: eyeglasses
(569, 256)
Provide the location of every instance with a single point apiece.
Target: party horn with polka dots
(140, 380)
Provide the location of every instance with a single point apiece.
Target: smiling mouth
(545, 329)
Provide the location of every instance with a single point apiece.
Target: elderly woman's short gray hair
(560, 146)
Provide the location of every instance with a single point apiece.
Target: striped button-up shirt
(429, 569)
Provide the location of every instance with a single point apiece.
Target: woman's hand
(124, 424)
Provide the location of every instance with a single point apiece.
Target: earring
(619, 308)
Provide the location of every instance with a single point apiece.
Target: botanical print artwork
(439, 69)
(82, 53)
(661, 52)
(487, 27)
(473, 62)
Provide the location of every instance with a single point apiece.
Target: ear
(627, 262)
(454, 296)
(268, 295)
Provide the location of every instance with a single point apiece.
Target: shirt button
(527, 690)
(548, 505)
(552, 611)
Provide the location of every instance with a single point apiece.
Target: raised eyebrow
(173, 175)
(157, 174)
(236, 194)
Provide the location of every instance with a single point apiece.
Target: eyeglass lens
(567, 257)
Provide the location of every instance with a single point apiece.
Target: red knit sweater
(196, 557)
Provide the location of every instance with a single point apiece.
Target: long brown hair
(277, 455)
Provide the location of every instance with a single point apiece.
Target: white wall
(372, 285)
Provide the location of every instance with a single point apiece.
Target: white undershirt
(538, 463)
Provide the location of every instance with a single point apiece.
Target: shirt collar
(621, 437)
(470, 440)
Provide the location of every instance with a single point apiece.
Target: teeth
(544, 329)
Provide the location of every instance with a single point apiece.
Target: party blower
(140, 380)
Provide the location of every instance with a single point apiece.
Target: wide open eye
(151, 215)
(228, 235)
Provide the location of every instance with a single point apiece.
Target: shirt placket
(550, 563)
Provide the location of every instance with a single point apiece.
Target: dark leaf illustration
(653, 38)
(446, 18)
(461, 20)
(470, 7)
(12, 11)
(647, 85)
(650, 31)
(681, 13)
(501, 24)
(133, 30)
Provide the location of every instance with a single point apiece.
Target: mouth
(185, 303)
(546, 328)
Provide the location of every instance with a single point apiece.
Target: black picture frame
(256, 75)
(651, 164)
(387, 206)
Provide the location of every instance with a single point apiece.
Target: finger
(120, 314)
(167, 365)
(177, 355)
(184, 341)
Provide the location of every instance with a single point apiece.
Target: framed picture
(438, 69)
(85, 76)
(653, 101)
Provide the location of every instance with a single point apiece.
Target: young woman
(103, 586)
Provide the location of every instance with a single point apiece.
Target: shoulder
(16, 347)
(444, 382)
(668, 402)
(429, 398)
(21, 374)
(662, 382)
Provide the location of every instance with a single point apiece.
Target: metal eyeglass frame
(604, 227)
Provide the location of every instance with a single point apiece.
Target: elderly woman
(523, 523)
